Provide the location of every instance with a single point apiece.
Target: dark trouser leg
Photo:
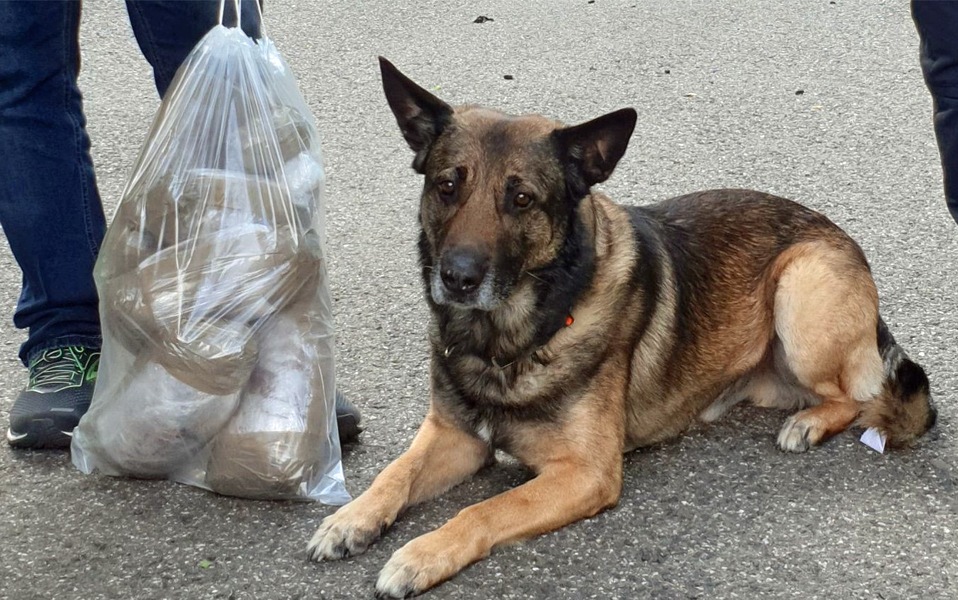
(49, 205)
(937, 23)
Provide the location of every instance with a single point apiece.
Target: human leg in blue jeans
(937, 24)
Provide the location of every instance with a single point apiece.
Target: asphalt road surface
(821, 101)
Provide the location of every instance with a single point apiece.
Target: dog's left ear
(595, 147)
(420, 115)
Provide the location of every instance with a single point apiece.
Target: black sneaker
(59, 392)
(347, 417)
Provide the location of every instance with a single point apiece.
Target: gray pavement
(816, 100)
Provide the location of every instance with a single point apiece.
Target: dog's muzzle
(464, 279)
(462, 271)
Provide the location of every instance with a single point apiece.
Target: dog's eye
(522, 200)
(447, 188)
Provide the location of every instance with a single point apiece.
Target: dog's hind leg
(825, 311)
(441, 456)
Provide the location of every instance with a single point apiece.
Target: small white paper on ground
(874, 440)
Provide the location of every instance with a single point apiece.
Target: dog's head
(500, 192)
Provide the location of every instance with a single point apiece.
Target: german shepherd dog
(567, 329)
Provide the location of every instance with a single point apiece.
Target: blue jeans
(50, 208)
(937, 24)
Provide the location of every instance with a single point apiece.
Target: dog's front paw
(421, 564)
(800, 432)
(347, 532)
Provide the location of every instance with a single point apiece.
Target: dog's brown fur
(568, 329)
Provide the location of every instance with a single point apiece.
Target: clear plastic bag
(217, 365)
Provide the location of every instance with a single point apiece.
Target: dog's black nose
(463, 269)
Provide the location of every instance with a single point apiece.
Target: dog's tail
(904, 410)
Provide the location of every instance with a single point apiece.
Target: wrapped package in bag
(174, 422)
(275, 435)
(217, 361)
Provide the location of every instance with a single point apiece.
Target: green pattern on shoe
(60, 369)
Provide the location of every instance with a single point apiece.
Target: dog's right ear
(420, 115)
